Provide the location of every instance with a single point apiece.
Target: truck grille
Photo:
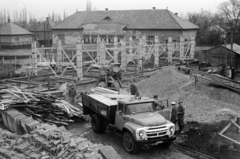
(155, 132)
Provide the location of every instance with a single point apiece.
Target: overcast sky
(41, 8)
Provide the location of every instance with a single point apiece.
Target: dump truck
(135, 120)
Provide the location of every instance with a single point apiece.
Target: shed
(222, 55)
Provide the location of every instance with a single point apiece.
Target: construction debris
(45, 142)
(42, 107)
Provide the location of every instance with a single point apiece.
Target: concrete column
(115, 53)
(139, 56)
(59, 56)
(181, 48)
(144, 43)
(192, 47)
(130, 45)
(98, 50)
(103, 54)
(156, 51)
(3, 59)
(34, 57)
(79, 60)
(123, 55)
(170, 50)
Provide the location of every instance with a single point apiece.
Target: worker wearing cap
(181, 112)
(174, 113)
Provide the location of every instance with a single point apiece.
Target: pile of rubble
(45, 142)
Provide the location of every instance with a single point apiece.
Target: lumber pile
(41, 107)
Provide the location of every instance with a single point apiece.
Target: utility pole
(232, 31)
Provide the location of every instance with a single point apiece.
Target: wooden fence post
(181, 48)
(156, 51)
(79, 60)
(115, 52)
(170, 51)
(59, 56)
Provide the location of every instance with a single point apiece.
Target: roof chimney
(106, 8)
(176, 13)
(8, 20)
(154, 7)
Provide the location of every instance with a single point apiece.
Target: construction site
(74, 99)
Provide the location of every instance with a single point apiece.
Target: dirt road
(109, 138)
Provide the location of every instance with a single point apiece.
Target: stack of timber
(41, 107)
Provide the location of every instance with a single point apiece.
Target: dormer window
(107, 18)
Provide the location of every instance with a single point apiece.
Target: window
(150, 40)
(62, 38)
(27, 38)
(103, 38)
(86, 39)
(120, 37)
(94, 39)
(110, 39)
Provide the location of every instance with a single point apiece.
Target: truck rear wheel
(129, 143)
(96, 124)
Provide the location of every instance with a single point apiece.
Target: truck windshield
(139, 108)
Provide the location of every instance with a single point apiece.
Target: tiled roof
(40, 26)
(134, 19)
(13, 29)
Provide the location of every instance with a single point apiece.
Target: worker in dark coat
(181, 112)
(72, 93)
(174, 113)
(134, 89)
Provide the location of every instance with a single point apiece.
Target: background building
(89, 25)
(13, 36)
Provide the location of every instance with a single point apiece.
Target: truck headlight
(172, 130)
(141, 133)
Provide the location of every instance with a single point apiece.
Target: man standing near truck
(72, 93)
(174, 113)
(134, 89)
(181, 112)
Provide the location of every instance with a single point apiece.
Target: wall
(70, 36)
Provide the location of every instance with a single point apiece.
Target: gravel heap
(205, 103)
(165, 83)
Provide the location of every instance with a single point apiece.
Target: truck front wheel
(129, 143)
(96, 124)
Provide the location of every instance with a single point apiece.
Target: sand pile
(164, 83)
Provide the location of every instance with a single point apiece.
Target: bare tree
(230, 11)
(88, 5)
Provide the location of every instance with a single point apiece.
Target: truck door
(166, 111)
(119, 117)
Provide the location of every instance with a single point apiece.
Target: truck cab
(142, 124)
(135, 118)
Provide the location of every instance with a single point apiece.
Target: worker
(180, 114)
(233, 73)
(133, 89)
(157, 104)
(72, 94)
(174, 113)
